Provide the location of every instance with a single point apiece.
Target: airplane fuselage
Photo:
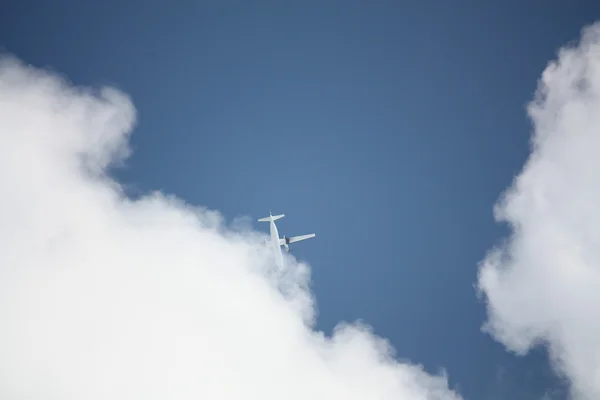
(275, 243)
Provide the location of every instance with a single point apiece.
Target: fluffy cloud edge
(105, 296)
(540, 283)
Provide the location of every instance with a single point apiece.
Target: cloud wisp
(106, 297)
(543, 285)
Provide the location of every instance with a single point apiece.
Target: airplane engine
(287, 243)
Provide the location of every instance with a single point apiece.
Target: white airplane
(278, 242)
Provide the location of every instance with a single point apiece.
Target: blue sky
(389, 129)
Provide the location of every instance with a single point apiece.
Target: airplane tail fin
(272, 217)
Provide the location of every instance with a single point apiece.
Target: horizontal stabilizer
(271, 218)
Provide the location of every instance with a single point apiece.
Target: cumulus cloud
(106, 297)
(543, 284)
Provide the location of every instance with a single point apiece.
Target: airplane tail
(271, 217)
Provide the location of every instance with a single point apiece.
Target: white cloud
(104, 297)
(543, 284)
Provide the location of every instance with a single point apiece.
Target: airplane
(285, 241)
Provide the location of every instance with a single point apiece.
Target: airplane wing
(295, 239)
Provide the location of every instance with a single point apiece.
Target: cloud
(543, 284)
(106, 297)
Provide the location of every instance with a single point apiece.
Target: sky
(444, 154)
